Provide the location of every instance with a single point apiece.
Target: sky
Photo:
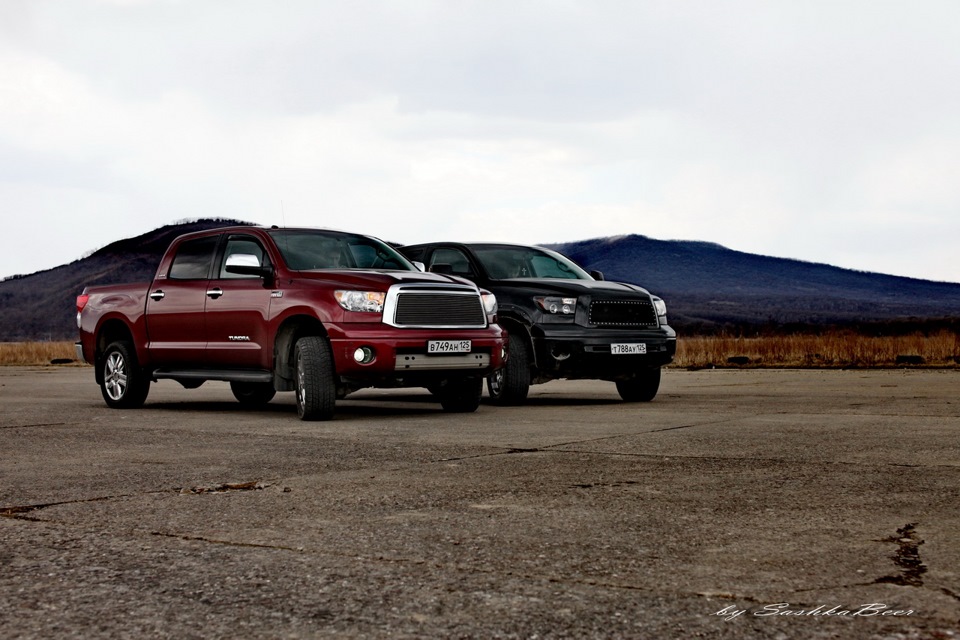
(826, 131)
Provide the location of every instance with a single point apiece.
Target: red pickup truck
(318, 312)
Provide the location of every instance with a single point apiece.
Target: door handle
(157, 295)
(215, 293)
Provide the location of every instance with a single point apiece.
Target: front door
(238, 311)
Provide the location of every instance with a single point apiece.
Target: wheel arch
(517, 327)
(289, 331)
(111, 330)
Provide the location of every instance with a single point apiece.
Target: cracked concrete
(577, 516)
(907, 558)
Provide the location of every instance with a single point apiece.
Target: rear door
(175, 305)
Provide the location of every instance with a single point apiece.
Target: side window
(242, 245)
(414, 254)
(193, 259)
(452, 261)
(547, 267)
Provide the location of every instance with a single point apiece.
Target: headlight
(360, 300)
(660, 306)
(489, 303)
(551, 304)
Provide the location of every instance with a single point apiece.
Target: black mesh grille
(623, 313)
(439, 310)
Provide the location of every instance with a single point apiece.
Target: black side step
(230, 375)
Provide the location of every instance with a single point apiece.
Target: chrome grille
(623, 313)
(438, 309)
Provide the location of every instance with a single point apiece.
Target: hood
(377, 280)
(571, 287)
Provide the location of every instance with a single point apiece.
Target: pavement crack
(553, 447)
(18, 510)
(253, 485)
(39, 424)
(907, 558)
(952, 594)
(227, 543)
(691, 426)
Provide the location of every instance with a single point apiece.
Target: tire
(510, 385)
(316, 387)
(125, 385)
(642, 387)
(461, 396)
(253, 394)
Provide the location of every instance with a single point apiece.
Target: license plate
(628, 348)
(448, 346)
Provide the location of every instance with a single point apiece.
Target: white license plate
(448, 346)
(628, 348)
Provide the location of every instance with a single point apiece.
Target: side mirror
(420, 266)
(247, 264)
(596, 275)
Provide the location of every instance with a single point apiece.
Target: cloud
(785, 129)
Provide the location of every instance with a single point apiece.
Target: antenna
(283, 216)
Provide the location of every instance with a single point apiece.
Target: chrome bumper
(420, 362)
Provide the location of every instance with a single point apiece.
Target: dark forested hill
(706, 286)
(41, 306)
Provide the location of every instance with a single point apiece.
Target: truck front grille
(622, 313)
(438, 309)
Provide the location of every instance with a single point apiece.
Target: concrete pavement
(738, 504)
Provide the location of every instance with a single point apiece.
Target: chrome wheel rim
(496, 382)
(115, 376)
(300, 382)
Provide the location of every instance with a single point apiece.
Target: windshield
(305, 250)
(507, 263)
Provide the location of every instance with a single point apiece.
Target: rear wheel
(642, 387)
(316, 385)
(253, 394)
(510, 385)
(460, 396)
(125, 385)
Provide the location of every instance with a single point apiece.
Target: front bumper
(402, 353)
(578, 352)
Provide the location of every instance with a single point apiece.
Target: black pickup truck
(562, 321)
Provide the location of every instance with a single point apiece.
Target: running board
(237, 375)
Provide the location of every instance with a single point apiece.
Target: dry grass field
(833, 349)
(830, 350)
(35, 353)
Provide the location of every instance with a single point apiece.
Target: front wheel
(460, 396)
(253, 394)
(124, 384)
(316, 383)
(642, 387)
(510, 385)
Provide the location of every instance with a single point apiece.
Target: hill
(707, 287)
(41, 306)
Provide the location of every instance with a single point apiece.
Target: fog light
(363, 355)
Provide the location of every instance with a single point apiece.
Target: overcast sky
(827, 131)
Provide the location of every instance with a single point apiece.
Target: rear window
(193, 259)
